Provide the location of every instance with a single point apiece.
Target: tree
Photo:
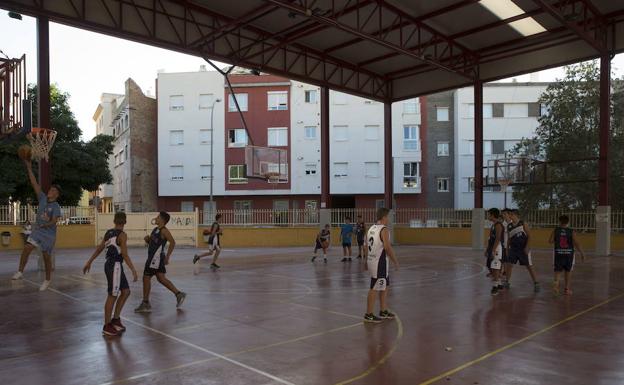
(75, 165)
(566, 137)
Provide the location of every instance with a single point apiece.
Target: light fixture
(504, 9)
(15, 15)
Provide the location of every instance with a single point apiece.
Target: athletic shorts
(360, 241)
(519, 256)
(214, 242)
(115, 277)
(564, 262)
(494, 259)
(505, 258)
(151, 271)
(346, 244)
(318, 245)
(380, 284)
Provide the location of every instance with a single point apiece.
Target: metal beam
(605, 129)
(325, 143)
(592, 26)
(388, 170)
(43, 91)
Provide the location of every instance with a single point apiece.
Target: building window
(242, 205)
(516, 110)
(176, 102)
(442, 114)
(379, 203)
(411, 174)
(411, 106)
(443, 184)
(339, 98)
(310, 132)
(371, 169)
(487, 147)
(204, 136)
(205, 101)
(236, 174)
(443, 148)
(278, 100)
(544, 109)
(277, 136)
(205, 171)
(498, 147)
(237, 137)
(187, 206)
(126, 151)
(121, 157)
(311, 96)
(242, 102)
(176, 137)
(341, 133)
(371, 132)
(176, 172)
(341, 169)
(487, 111)
(310, 168)
(116, 160)
(410, 138)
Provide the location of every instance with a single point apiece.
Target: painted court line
(518, 342)
(179, 340)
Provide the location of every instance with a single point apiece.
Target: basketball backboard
(15, 108)
(267, 163)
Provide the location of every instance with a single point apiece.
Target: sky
(86, 64)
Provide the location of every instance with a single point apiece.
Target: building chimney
(534, 77)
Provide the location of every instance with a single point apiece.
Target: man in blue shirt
(346, 234)
(43, 235)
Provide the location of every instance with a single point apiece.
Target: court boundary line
(518, 342)
(179, 340)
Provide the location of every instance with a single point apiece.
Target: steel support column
(43, 90)
(605, 129)
(388, 174)
(325, 171)
(478, 144)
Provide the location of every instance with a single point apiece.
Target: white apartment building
(510, 113)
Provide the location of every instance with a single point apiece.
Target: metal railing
(18, 214)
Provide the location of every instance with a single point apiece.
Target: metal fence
(70, 215)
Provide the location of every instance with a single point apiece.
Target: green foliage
(567, 134)
(75, 165)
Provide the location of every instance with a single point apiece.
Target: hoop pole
(43, 90)
(478, 137)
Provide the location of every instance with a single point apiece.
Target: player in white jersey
(378, 250)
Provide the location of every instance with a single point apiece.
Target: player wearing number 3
(377, 253)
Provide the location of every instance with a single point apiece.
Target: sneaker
(214, 266)
(506, 285)
(494, 290)
(110, 331)
(195, 259)
(536, 287)
(180, 297)
(313, 259)
(343, 259)
(567, 292)
(116, 322)
(325, 260)
(385, 314)
(18, 275)
(349, 259)
(555, 288)
(144, 307)
(44, 286)
(372, 318)
(359, 257)
(500, 287)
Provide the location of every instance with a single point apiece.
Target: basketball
(24, 152)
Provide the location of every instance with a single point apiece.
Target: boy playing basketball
(323, 239)
(494, 251)
(116, 244)
(156, 262)
(564, 240)
(360, 233)
(377, 253)
(214, 244)
(346, 233)
(518, 248)
(43, 235)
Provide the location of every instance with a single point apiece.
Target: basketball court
(269, 316)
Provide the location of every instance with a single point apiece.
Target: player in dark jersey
(156, 262)
(518, 250)
(214, 244)
(323, 239)
(565, 244)
(116, 244)
(494, 250)
(360, 234)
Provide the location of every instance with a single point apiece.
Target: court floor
(269, 316)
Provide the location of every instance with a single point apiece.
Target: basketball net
(41, 141)
(504, 183)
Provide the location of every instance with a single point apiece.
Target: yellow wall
(68, 237)
(277, 236)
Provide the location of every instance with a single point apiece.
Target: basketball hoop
(504, 183)
(41, 140)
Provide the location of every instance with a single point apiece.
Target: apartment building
(510, 113)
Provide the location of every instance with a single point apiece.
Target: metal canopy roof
(386, 50)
